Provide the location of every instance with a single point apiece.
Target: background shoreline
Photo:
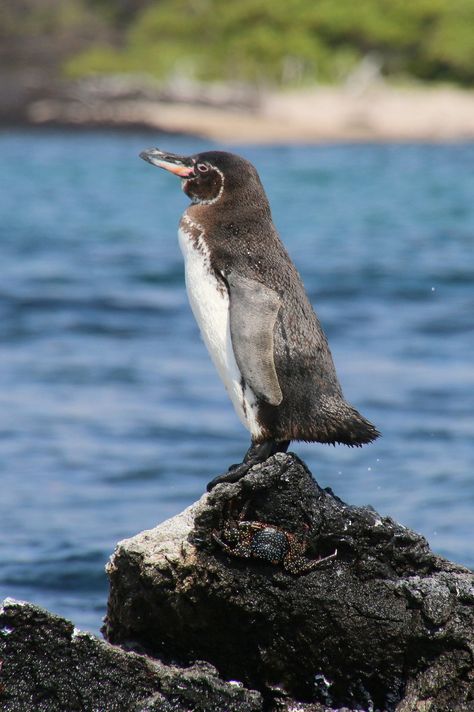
(319, 115)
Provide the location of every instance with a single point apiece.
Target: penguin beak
(179, 165)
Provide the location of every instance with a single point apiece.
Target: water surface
(112, 418)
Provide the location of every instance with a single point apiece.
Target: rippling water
(112, 418)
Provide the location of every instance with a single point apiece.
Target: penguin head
(212, 176)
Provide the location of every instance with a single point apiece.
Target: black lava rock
(383, 625)
(48, 666)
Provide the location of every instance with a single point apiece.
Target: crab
(267, 542)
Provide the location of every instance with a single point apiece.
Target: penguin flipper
(253, 312)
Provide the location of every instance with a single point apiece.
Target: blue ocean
(112, 418)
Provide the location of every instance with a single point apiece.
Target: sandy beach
(379, 113)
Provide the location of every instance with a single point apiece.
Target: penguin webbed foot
(234, 474)
(256, 454)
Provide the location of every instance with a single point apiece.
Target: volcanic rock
(383, 624)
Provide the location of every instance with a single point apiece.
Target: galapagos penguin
(253, 312)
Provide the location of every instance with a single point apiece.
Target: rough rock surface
(385, 625)
(46, 665)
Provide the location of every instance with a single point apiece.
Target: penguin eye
(202, 168)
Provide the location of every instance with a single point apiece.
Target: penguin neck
(244, 209)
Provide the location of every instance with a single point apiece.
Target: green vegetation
(281, 42)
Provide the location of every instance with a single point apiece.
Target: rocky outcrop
(382, 624)
(49, 666)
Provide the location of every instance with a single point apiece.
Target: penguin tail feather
(340, 422)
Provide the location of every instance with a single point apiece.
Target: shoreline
(377, 113)
(134, 127)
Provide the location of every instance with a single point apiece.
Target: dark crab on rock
(266, 542)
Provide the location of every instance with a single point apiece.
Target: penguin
(255, 318)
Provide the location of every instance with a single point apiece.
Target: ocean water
(112, 417)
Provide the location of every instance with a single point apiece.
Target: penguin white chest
(209, 302)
